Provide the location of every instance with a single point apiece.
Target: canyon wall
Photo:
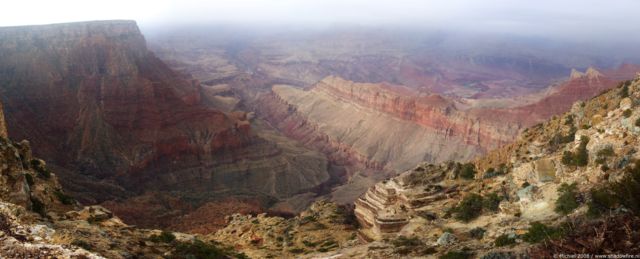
(363, 135)
(383, 126)
(116, 122)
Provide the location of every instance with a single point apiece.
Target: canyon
(185, 131)
(117, 123)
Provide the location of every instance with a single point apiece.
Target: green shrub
(626, 113)
(96, 220)
(625, 192)
(582, 155)
(82, 243)
(477, 233)
(457, 255)
(539, 232)
(489, 173)
(624, 92)
(504, 240)
(296, 250)
(558, 138)
(38, 207)
(491, 202)
(406, 245)
(568, 120)
(567, 201)
(202, 250)
(164, 237)
(63, 198)
(406, 241)
(637, 122)
(567, 158)
(309, 243)
(43, 172)
(469, 208)
(29, 179)
(580, 158)
(468, 171)
(606, 152)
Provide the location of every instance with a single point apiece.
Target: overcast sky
(578, 18)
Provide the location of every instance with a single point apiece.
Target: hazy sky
(578, 18)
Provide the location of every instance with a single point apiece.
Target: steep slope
(96, 90)
(395, 127)
(118, 123)
(567, 185)
(553, 173)
(39, 220)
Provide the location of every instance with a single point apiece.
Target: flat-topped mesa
(380, 210)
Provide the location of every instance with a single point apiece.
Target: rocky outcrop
(322, 228)
(530, 180)
(389, 205)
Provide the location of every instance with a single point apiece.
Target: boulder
(447, 239)
(626, 103)
(545, 170)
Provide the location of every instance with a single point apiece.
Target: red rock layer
(482, 129)
(562, 96)
(431, 111)
(91, 96)
(293, 124)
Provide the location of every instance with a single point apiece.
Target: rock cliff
(91, 96)
(116, 123)
(392, 127)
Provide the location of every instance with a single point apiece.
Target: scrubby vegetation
(43, 172)
(559, 138)
(609, 236)
(38, 207)
(164, 237)
(624, 193)
(539, 232)
(568, 199)
(469, 208)
(504, 240)
(29, 179)
(473, 205)
(63, 198)
(467, 171)
(626, 113)
(580, 157)
(491, 172)
(201, 250)
(624, 91)
(491, 202)
(407, 245)
(477, 233)
(82, 243)
(457, 255)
